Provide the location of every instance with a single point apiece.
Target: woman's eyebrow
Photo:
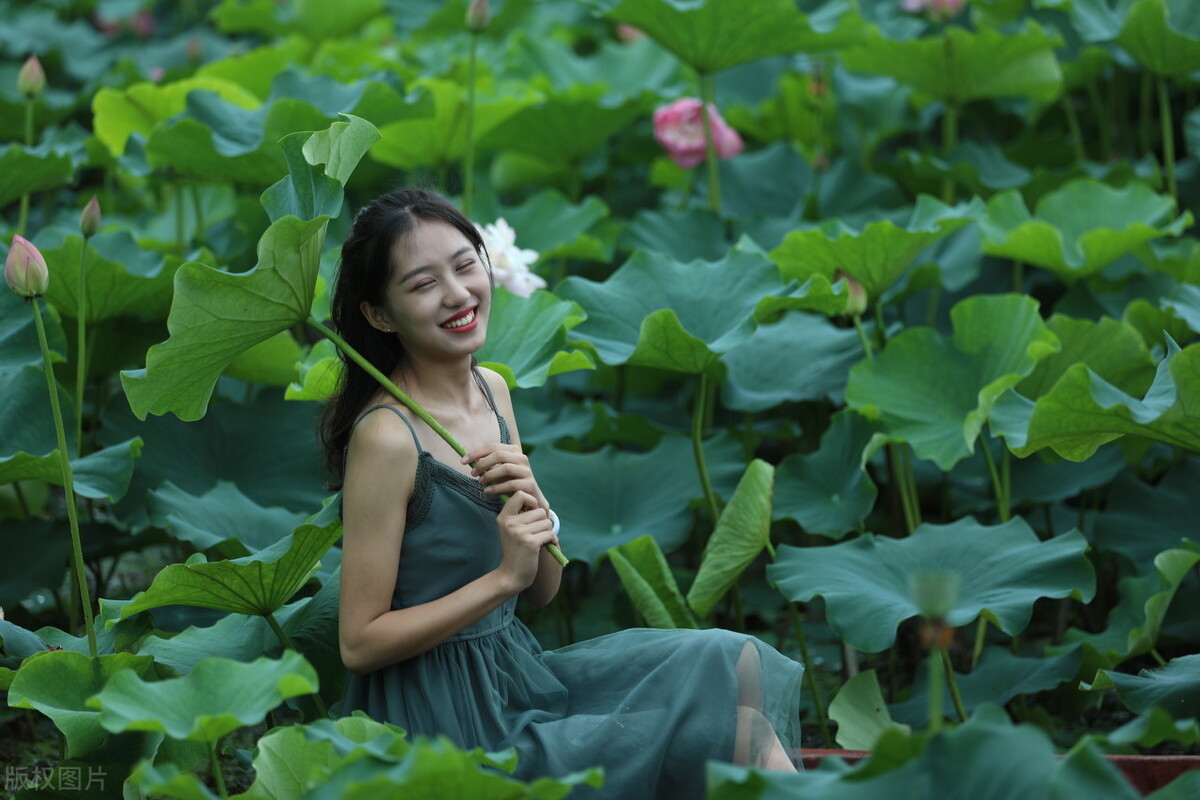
(457, 253)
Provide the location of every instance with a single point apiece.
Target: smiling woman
(434, 561)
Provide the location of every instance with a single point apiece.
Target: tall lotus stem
(286, 641)
(31, 80)
(698, 447)
(708, 99)
(1168, 137)
(411, 404)
(68, 481)
(89, 223)
(810, 677)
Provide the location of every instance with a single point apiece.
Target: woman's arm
(549, 573)
(380, 472)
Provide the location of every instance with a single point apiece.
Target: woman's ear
(375, 317)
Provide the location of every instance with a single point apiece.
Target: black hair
(364, 272)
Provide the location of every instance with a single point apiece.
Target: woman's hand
(504, 469)
(525, 528)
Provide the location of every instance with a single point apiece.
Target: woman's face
(438, 295)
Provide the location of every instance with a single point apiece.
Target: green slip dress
(650, 706)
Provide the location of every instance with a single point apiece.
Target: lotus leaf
(684, 235)
(963, 65)
(1111, 349)
(38, 567)
(18, 334)
(58, 684)
(256, 584)
(1083, 411)
(861, 713)
(876, 255)
(1185, 302)
(829, 492)
(651, 587)
(712, 36)
(167, 780)
(216, 698)
(773, 182)
(27, 170)
(556, 228)
(1002, 569)
(1161, 35)
(659, 312)
(1175, 688)
(1047, 479)
(936, 393)
(271, 362)
(216, 315)
(743, 531)
(975, 167)
(220, 517)
(1154, 727)
(312, 18)
(1080, 228)
(319, 373)
(564, 127)
(1140, 520)
(609, 497)
(815, 294)
(624, 68)
(527, 338)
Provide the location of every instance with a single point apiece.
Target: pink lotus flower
(25, 270)
(679, 128)
(940, 10)
(510, 264)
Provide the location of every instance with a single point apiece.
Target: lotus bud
(856, 302)
(934, 593)
(31, 79)
(25, 270)
(89, 220)
(478, 16)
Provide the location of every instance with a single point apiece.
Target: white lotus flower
(510, 264)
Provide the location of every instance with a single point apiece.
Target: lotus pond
(890, 358)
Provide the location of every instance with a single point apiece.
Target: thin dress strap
(504, 434)
(398, 414)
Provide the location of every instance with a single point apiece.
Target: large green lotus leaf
(564, 127)
(659, 312)
(957, 764)
(742, 532)
(609, 497)
(1161, 35)
(978, 168)
(266, 447)
(861, 713)
(527, 338)
(320, 372)
(711, 35)
(314, 19)
(829, 492)
(442, 138)
(119, 113)
(551, 225)
(1154, 323)
(256, 69)
(936, 393)
(696, 233)
(122, 278)
(1134, 625)
(271, 362)
(1113, 350)
(795, 112)
(876, 255)
(59, 683)
(220, 517)
(999, 677)
(234, 636)
(648, 581)
(18, 333)
(963, 65)
(168, 780)
(256, 584)
(28, 170)
(1154, 727)
(1002, 570)
(1083, 411)
(217, 697)
(1080, 228)
(215, 315)
(1048, 479)
(38, 567)
(1140, 520)
(1184, 300)
(1175, 688)
(771, 182)
(624, 68)
(1179, 258)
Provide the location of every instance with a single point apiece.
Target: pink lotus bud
(627, 33)
(89, 220)
(939, 10)
(679, 128)
(156, 73)
(478, 16)
(856, 302)
(25, 270)
(32, 78)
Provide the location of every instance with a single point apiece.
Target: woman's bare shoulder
(381, 434)
(497, 384)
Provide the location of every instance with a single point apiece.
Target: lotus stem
(1003, 510)
(810, 677)
(216, 770)
(1168, 137)
(955, 697)
(698, 448)
(1102, 121)
(68, 482)
(81, 355)
(411, 404)
(1073, 126)
(23, 213)
(1144, 111)
(862, 337)
(180, 222)
(935, 691)
(286, 641)
(469, 153)
(708, 99)
(980, 641)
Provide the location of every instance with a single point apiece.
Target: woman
(433, 562)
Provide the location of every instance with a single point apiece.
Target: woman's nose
(456, 291)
